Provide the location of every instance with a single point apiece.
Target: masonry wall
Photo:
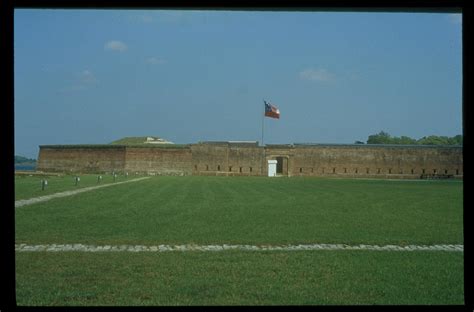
(376, 161)
(223, 158)
(244, 159)
(80, 159)
(161, 161)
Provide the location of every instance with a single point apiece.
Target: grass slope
(130, 140)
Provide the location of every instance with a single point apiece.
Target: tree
(380, 138)
(21, 160)
(455, 140)
(433, 140)
(385, 138)
(407, 140)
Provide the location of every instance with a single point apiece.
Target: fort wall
(225, 158)
(74, 158)
(248, 159)
(376, 160)
(161, 161)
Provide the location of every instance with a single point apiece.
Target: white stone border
(31, 201)
(170, 248)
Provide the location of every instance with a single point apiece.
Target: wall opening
(218, 167)
(345, 170)
(457, 171)
(279, 166)
(250, 169)
(333, 170)
(378, 170)
(196, 167)
(357, 170)
(445, 171)
(240, 169)
(390, 171)
(434, 171)
(230, 168)
(207, 167)
(301, 170)
(367, 170)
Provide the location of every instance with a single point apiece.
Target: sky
(95, 76)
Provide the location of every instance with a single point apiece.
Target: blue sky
(94, 76)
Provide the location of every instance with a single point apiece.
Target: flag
(271, 111)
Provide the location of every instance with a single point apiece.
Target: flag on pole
(271, 111)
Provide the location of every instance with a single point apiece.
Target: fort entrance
(282, 165)
(279, 165)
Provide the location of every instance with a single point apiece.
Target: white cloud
(455, 18)
(155, 60)
(87, 77)
(82, 81)
(115, 45)
(321, 75)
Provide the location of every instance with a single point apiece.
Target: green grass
(141, 142)
(28, 187)
(245, 210)
(130, 140)
(240, 278)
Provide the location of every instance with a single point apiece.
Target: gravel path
(31, 201)
(170, 248)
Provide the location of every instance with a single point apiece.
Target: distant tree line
(385, 138)
(23, 160)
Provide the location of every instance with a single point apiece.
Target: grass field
(29, 187)
(244, 210)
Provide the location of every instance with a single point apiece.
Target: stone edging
(170, 248)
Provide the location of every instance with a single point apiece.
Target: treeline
(385, 138)
(23, 160)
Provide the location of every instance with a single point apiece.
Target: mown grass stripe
(30, 201)
(168, 248)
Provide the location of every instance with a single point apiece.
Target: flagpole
(263, 118)
(263, 147)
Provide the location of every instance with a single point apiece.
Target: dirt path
(182, 248)
(31, 201)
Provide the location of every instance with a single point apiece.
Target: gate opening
(279, 166)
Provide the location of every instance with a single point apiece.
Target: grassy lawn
(28, 187)
(240, 278)
(245, 210)
(207, 210)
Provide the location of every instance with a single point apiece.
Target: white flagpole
(263, 147)
(263, 119)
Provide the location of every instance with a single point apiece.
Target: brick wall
(376, 161)
(162, 161)
(225, 158)
(81, 159)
